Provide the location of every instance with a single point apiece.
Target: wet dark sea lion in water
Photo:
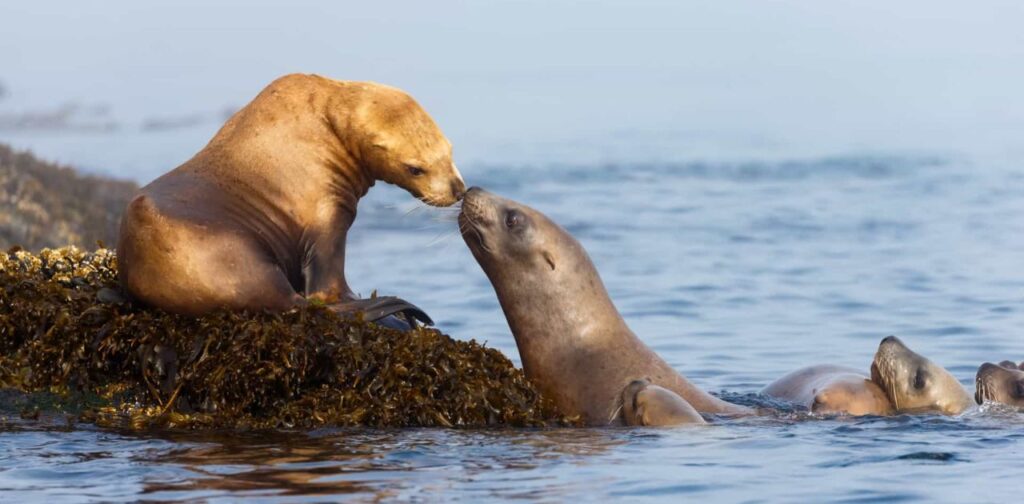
(901, 381)
(258, 218)
(1002, 383)
(574, 344)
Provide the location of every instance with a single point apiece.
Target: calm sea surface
(736, 272)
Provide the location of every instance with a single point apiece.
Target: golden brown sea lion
(575, 346)
(258, 218)
(830, 389)
(901, 381)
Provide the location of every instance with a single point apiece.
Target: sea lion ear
(550, 259)
(382, 141)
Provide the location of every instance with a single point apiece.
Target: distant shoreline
(44, 204)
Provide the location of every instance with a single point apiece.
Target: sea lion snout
(438, 187)
(458, 189)
(485, 209)
(474, 205)
(999, 383)
(982, 390)
(475, 220)
(892, 341)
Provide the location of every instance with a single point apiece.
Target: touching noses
(458, 189)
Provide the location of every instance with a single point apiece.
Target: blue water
(735, 271)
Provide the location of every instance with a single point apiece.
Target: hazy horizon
(534, 82)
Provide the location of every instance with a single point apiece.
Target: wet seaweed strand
(65, 328)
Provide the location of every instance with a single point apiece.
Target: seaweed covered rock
(66, 329)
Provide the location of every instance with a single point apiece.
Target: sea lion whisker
(446, 217)
(430, 200)
(894, 396)
(984, 389)
(464, 227)
(445, 236)
(417, 208)
(483, 244)
(475, 227)
(616, 411)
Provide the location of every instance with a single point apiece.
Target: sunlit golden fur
(645, 404)
(830, 389)
(259, 217)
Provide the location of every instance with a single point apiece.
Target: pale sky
(556, 80)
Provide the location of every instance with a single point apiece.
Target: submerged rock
(65, 328)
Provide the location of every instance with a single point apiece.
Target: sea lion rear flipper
(650, 405)
(374, 309)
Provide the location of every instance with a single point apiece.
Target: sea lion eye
(513, 219)
(920, 379)
(1020, 389)
(415, 171)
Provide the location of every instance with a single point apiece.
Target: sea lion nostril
(889, 339)
(458, 190)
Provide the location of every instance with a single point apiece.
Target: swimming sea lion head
(915, 384)
(544, 279)
(574, 345)
(406, 148)
(510, 239)
(1003, 383)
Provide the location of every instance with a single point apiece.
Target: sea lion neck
(549, 318)
(297, 126)
(344, 141)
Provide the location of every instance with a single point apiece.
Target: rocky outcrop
(47, 205)
(66, 329)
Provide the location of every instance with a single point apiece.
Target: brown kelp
(66, 329)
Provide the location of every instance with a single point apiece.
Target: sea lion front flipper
(651, 405)
(376, 308)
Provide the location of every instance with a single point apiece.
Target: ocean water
(736, 271)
